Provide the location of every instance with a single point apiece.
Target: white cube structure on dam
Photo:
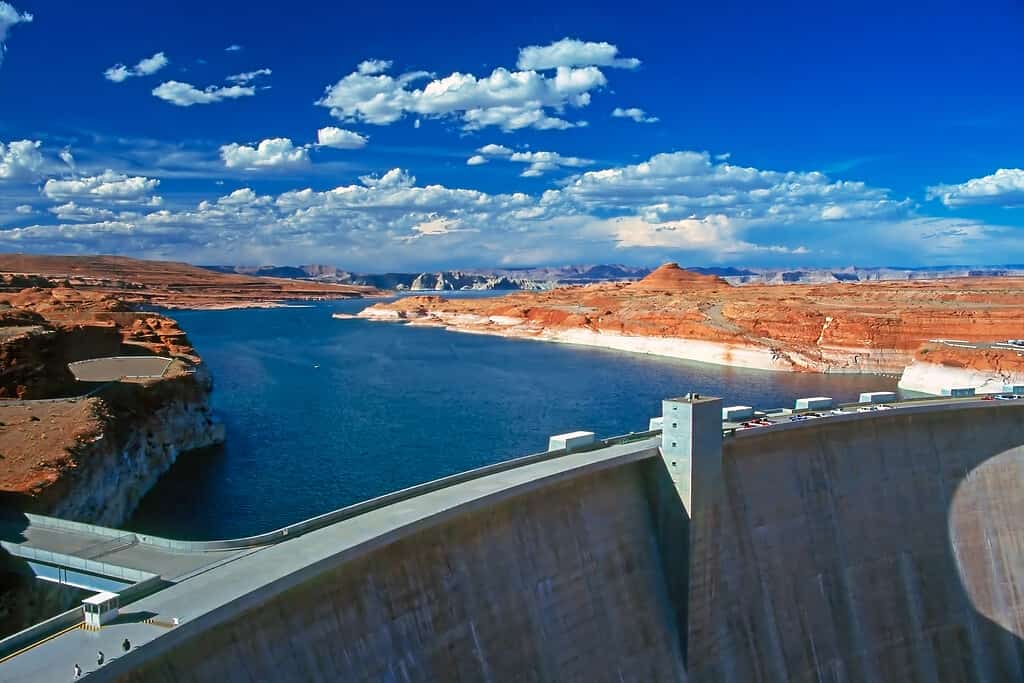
(100, 608)
(655, 423)
(691, 445)
(877, 397)
(732, 413)
(813, 403)
(570, 441)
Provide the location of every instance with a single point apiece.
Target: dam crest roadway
(880, 545)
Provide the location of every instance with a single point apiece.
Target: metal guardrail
(340, 514)
(95, 567)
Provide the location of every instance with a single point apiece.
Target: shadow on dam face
(885, 549)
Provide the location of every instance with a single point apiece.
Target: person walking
(78, 672)
(126, 645)
(99, 658)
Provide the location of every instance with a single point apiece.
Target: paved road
(112, 369)
(124, 551)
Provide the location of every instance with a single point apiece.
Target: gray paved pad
(112, 369)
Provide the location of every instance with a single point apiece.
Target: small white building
(814, 403)
(733, 413)
(570, 441)
(877, 397)
(100, 608)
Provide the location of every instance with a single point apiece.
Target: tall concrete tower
(691, 446)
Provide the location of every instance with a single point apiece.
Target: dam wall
(564, 583)
(885, 547)
(875, 547)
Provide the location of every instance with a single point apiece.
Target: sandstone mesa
(863, 327)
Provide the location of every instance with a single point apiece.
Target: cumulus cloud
(686, 184)
(186, 94)
(23, 209)
(270, 153)
(8, 18)
(572, 52)
(539, 163)
(150, 65)
(1005, 187)
(340, 138)
(635, 113)
(248, 76)
(108, 185)
(373, 66)
(680, 204)
(75, 212)
(20, 159)
(510, 100)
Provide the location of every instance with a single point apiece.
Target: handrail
(347, 512)
(95, 567)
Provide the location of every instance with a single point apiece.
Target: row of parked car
(871, 408)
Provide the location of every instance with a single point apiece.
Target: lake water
(321, 413)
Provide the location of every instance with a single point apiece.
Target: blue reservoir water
(321, 413)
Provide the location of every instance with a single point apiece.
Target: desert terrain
(163, 283)
(875, 327)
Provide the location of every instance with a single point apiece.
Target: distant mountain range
(450, 280)
(556, 276)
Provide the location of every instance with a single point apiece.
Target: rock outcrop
(88, 457)
(838, 327)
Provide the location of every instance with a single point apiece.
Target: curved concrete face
(564, 583)
(889, 548)
(985, 528)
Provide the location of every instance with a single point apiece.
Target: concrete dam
(862, 546)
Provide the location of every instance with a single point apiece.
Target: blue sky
(411, 136)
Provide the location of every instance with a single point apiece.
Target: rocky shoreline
(873, 328)
(87, 452)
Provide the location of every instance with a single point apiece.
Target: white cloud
(148, 66)
(340, 138)
(8, 18)
(74, 212)
(681, 185)
(67, 157)
(712, 233)
(510, 100)
(108, 185)
(233, 48)
(373, 66)
(20, 159)
(635, 113)
(539, 162)
(679, 205)
(186, 94)
(493, 150)
(572, 52)
(23, 209)
(270, 153)
(248, 76)
(1005, 187)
